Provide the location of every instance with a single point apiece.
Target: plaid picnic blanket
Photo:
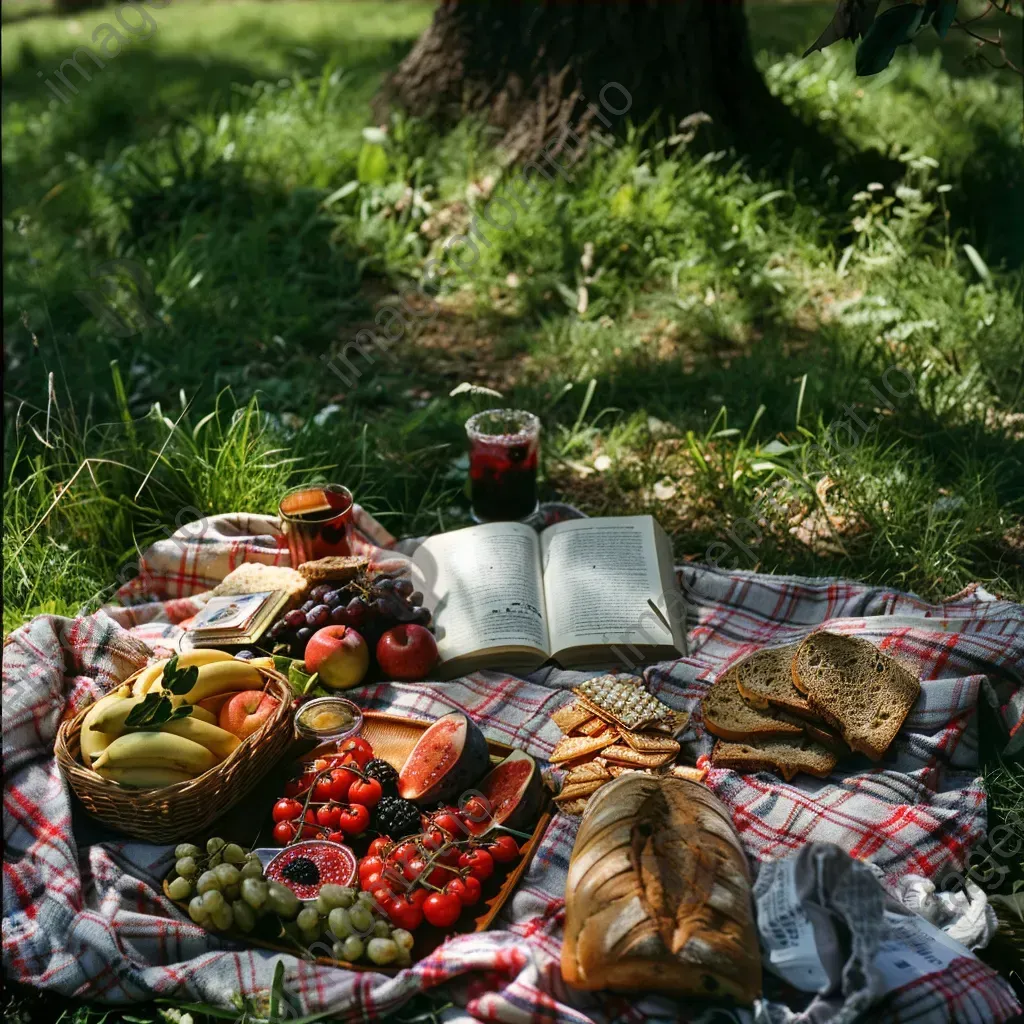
(91, 920)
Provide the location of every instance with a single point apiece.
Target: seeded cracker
(570, 716)
(624, 698)
(592, 726)
(650, 743)
(579, 789)
(571, 748)
(588, 771)
(627, 755)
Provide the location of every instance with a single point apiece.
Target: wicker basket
(186, 808)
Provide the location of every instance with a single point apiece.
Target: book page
(483, 587)
(599, 575)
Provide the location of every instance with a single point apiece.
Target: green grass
(735, 315)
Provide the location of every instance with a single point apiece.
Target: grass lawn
(697, 330)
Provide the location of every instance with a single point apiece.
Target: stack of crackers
(614, 725)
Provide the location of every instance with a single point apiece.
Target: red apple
(407, 652)
(243, 713)
(340, 655)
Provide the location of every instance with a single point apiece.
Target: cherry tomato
(378, 847)
(322, 789)
(338, 784)
(503, 849)
(403, 852)
(404, 913)
(467, 888)
(439, 875)
(336, 837)
(433, 840)
(449, 822)
(414, 868)
(284, 833)
(476, 811)
(310, 830)
(442, 910)
(370, 880)
(382, 896)
(328, 815)
(449, 856)
(418, 896)
(358, 748)
(286, 810)
(479, 862)
(369, 866)
(354, 820)
(366, 792)
(298, 785)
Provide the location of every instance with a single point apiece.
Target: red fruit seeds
(306, 866)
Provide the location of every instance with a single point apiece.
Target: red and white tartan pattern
(94, 922)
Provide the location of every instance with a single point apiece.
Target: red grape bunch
(370, 604)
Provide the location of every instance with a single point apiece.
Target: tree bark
(537, 68)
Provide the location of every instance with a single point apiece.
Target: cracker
(621, 769)
(592, 726)
(588, 771)
(570, 716)
(650, 742)
(624, 754)
(575, 807)
(579, 789)
(625, 698)
(685, 771)
(573, 748)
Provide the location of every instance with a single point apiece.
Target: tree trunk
(536, 68)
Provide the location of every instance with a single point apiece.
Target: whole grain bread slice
(787, 757)
(765, 680)
(856, 688)
(818, 731)
(728, 716)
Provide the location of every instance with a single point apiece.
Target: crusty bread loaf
(728, 716)
(787, 757)
(255, 577)
(658, 894)
(856, 688)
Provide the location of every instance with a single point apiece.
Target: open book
(589, 593)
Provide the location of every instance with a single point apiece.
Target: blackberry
(385, 774)
(396, 817)
(302, 871)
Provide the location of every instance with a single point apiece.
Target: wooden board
(392, 738)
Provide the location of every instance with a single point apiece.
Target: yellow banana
(147, 677)
(220, 677)
(206, 656)
(111, 719)
(156, 750)
(202, 715)
(218, 741)
(145, 778)
(94, 741)
(261, 662)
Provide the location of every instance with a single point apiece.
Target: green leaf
(978, 263)
(179, 681)
(890, 29)
(372, 166)
(181, 712)
(944, 17)
(142, 714)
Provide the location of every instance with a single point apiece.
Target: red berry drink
(315, 520)
(504, 446)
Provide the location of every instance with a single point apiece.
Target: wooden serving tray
(392, 738)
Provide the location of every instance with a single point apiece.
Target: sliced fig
(510, 794)
(448, 758)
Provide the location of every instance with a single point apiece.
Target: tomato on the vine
(403, 853)
(328, 815)
(298, 785)
(284, 833)
(336, 837)
(404, 913)
(378, 847)
(418, 896)
(467, 888)
(449, 822)
(286, 809)
(370, 866)
(476, 810)
(359, 748)
(442, 909)
(354, 820)
(503, 849)
(414, 868)
(322, 789)
(366, 792)
(479, 862)
(339, 783)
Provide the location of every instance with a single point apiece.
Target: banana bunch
(184, 744)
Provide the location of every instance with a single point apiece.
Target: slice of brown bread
(787, 757)
(856, 688)
(818, 731)
(766, 681)
(334, 569)
(728, 716)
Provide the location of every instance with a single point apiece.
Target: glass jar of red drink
(504, 445)
(314, 520)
